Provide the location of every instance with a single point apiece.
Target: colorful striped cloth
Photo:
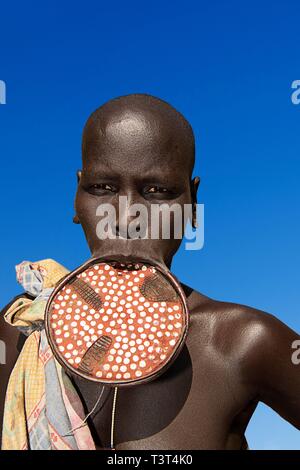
(41, 404)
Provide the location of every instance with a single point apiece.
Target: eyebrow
(107, 174)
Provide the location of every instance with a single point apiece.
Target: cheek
(186, 197)
(86, 206)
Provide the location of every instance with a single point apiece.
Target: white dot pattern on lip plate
(143, 333)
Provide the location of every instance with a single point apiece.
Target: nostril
(138, 230)
(115, 230)
(130, 228)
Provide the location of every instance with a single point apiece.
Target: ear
(194, 189)
(76, 218)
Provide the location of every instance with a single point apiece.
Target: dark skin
(234, 356)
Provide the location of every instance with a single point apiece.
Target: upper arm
(269, 365)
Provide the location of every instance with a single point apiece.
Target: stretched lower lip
(127, 252)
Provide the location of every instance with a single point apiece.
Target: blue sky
(228, 67)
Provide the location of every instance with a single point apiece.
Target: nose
(132, 219)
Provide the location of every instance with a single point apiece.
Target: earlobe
(194, 185)
(76, 218)
(194, 217)
(194, 222)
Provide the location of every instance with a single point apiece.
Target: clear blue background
(228, 66)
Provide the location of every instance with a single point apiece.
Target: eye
(101, 188)
(156, 189)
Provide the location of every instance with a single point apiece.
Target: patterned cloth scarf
(42, 408)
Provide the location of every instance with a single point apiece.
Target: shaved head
(141, 118)
(140, 147)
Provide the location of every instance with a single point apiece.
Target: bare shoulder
(259, 353)
(245, 333)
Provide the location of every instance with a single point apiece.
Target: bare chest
(188, 407)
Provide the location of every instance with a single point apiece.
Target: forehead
(134, 143)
